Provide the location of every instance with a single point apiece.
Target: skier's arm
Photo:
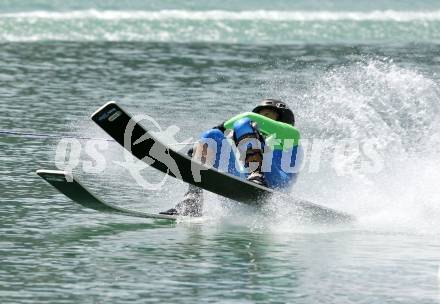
(287, 135)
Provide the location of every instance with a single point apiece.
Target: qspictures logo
(152, 148)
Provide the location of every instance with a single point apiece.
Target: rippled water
(262, 27)
(380, 88)
(254, 22)
(55, 251)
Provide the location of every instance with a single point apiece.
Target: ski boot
(191, 205)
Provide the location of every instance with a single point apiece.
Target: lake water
(352, 72)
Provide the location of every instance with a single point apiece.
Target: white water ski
(78, 193)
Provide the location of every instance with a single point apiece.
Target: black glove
(221, 127)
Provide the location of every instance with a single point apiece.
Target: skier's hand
(221, 127)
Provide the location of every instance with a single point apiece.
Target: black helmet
(285, 114)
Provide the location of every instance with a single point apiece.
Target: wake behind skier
(266, 151)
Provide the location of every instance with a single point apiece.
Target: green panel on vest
(278, 134)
